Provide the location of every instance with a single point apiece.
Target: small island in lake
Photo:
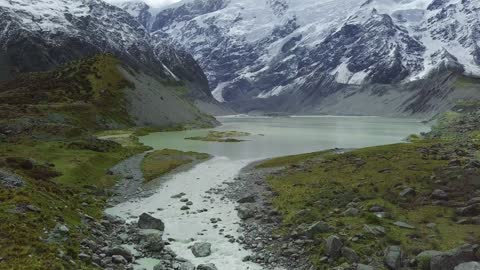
(221, 136)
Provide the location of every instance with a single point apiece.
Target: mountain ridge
(49, 34)
(253, 50)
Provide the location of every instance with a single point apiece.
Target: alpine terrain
(346, 135)
(397, 57)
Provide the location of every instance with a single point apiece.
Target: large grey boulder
(246, 212)
(187, 266)
(121, 251)
(468, 266)
(450, 259)
(154, 243)
(202, 249)
(471, 210)
(333, 246)
(393, 257)
(146, 221)
(350, 255)
(209, 266)
(424, 258)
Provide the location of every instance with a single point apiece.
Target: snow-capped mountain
(38, 35)
(258, 49)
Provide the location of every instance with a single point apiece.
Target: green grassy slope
(322, 186)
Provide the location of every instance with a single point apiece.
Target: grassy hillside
(53, 171)
(343, 190)
(81, 96)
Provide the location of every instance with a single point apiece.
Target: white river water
(270, 137)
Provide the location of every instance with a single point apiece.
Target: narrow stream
(270, 137)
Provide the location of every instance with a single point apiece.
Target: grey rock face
(454, 257)
(393, 257)
(146, 221)
(468, 266)
(202, 249)
(333, 246)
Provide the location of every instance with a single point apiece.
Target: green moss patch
(159, 163)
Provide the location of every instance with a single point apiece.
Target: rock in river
(187, 266)
(246, 212)
(202, 249)
(121, 251)
(148, 222)
(209, 266)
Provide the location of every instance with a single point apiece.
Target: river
(270, 137)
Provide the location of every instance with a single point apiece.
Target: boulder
(351, 212)
(122, 251)
(468, 266)
(376, 209)
(423, 258)
(333, 246)
(160, 266)
(393, 257)
(146, 221)
(439, 194)
(179, 195)
(375, 230)
(404, 225)
(119, 259)
(248, 199)
(246, 212)
(10, 180)
(187, 266)
(450, 259)
(316, 228)
(364, 267)
(471, 210)
(408, 192)
(208, 266)
(201, 249)
(153, 243)
(350, 255)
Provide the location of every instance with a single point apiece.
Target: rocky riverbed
(260, 223)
